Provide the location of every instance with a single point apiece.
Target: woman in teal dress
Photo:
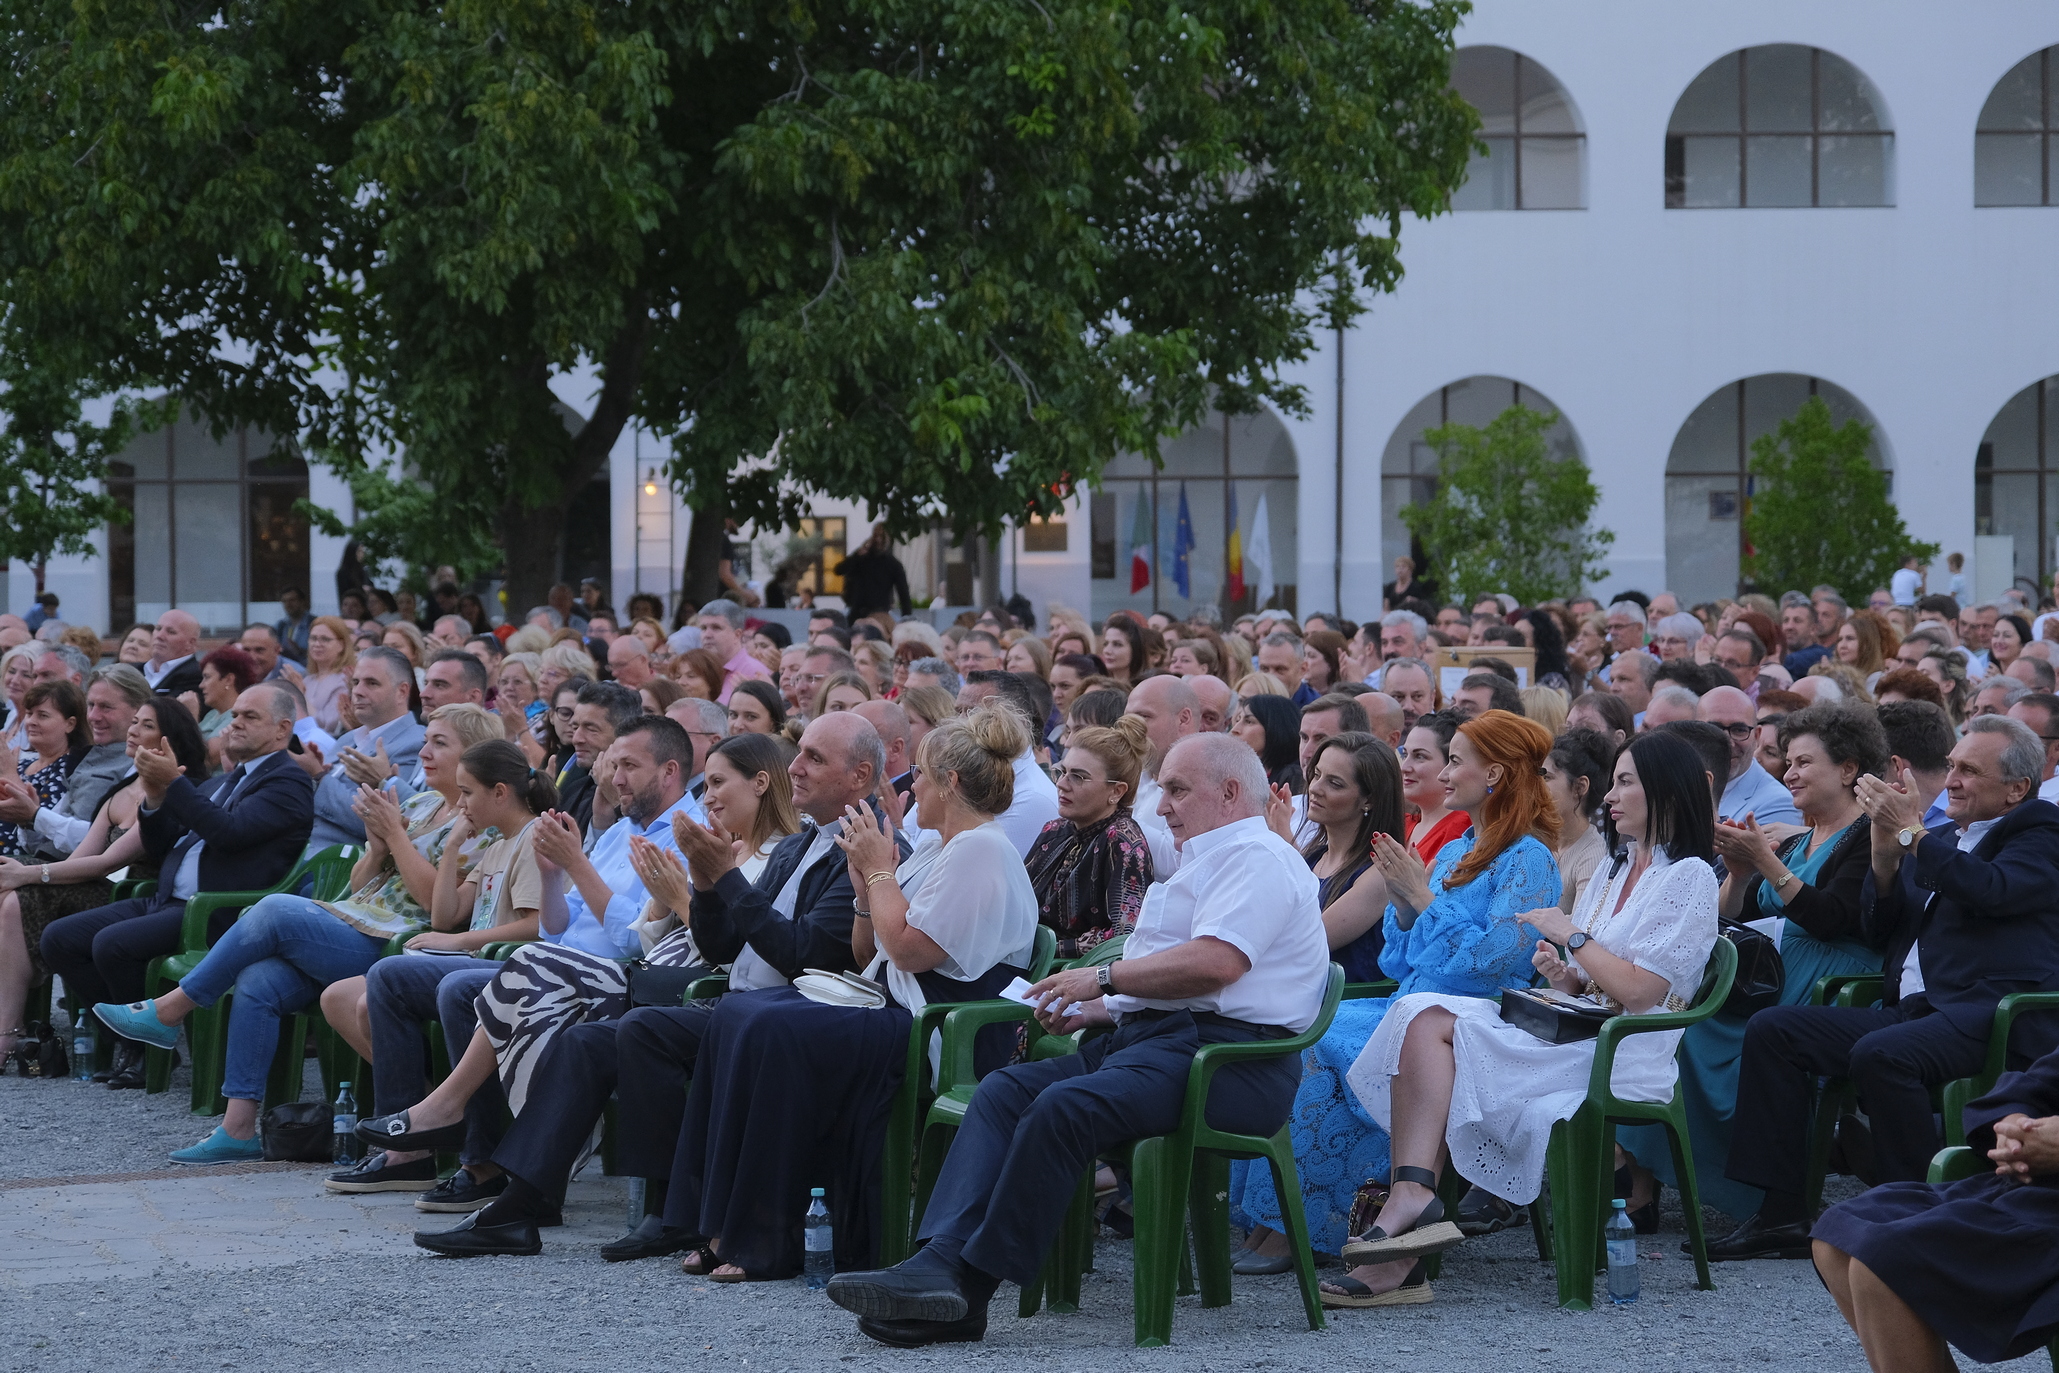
(1805, 892)
(1466, 941)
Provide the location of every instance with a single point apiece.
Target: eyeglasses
(1740, 731)
(1079, 777)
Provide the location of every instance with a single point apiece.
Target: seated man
(595, 911)
(1230, 949)
(387, 735)
(1973, 1264)
(1965, 915)
(242, 833)
(797, 916)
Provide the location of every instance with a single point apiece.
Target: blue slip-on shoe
(138, 1021)
(221, 1147)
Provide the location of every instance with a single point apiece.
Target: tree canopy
(942, 256)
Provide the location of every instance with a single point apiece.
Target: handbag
(298, 1132)
(1761, 972)
(41, 1053)
(1553, 1016)
(840, 989)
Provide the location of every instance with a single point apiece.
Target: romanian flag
(1235, 567)
(1140, 544)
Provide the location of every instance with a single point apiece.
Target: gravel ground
(568, 1310)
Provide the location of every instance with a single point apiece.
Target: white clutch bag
(840, 989)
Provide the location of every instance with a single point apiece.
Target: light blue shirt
(1754, 791)
(613, 935)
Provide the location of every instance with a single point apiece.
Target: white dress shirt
(1912, 966)
(1246, 886)
(750, 972)
(1165, 850)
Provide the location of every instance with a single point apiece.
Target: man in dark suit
(1966, 915)
(242, 831)
(797, 915)
(172, 669)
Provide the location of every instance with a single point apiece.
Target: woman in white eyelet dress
(1652, 917)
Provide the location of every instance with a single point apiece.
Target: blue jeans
(278, 957)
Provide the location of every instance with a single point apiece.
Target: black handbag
(1553, 1016)
(298, 1132)
(1761, 972)
(41, 1053)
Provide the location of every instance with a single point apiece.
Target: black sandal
(1431, 1233)
(709, 1263)
(1414, 1291)
(1645, 1219)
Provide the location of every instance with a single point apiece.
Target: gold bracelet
(878, 876)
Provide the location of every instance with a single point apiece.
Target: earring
(1490, 789)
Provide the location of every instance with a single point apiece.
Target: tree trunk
(701, 578)
(531, 540)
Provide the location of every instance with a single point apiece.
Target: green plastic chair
(897, 1160)
(1835, 1095)
(1581, 1157)
(207, 1028)
(1364, 991)
(1956, 1163)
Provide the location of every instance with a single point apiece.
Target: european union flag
(1182, 545)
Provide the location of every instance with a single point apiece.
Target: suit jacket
(1987, 920)
(335, 821)
(251, 843)
(184, 677)
(575, 796)
(739, 912)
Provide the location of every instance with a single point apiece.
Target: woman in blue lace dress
(1466, 942)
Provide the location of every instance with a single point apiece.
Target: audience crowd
(715, 873)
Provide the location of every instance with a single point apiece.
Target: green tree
(942, 256)
(1508, 514)
(1820, 512)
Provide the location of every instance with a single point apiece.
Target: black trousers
(1035, 1127)
(649, 1053)
(102, 954)
(1895, 1055)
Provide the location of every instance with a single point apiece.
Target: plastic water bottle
(637, 1192)
(820, 1241)
(82, 1049)
(349, 1149)
(1621, 1236)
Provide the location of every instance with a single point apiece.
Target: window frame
(2048, 128)
(1675, 170)
(1516, 136)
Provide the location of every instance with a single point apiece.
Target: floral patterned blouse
(382, 907)
(49, 786)
(1090, 880)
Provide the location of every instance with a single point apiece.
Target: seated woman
(1091, 866)
(1805, 894)
(225, 674)
(545, 987)
(282, 952)
(1457, 1084)
(1456, 930)
(54, 723)
(1434, 818)
(1576, 776)
(1972, 1264)
(790, 1093)
(34, 894)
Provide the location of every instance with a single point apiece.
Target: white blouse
(972, 896)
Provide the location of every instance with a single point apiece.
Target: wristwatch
(1907, 836)
(1104, 977)
(1576, 941)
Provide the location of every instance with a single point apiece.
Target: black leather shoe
(909, 1291)
(127, 1072)
(914, 1334)
(395, 1132)
(373, 1173)
(472, 1239)
(651, 1239)
(1757, 1240)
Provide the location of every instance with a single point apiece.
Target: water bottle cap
(814, 1191)
(1618, 1203)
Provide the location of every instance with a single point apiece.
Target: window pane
(1776, 88)
(1486, 77)
(1849, 105)
(2005, 168)
(145, 455)
(1709, 172)
(2014, 503)
(1854, 170)
(1490, 180)
(1475, 401)
(1399, 457)
(2016, 101)
(1551, 173)
(206, 520)
(153, 552)
(278, 540)
(1707, 442)
(1771, 398)
(1710, 104)
(1545, 107)
(197, 453)
(1777, 170)
(1259, 448)
(2012, 436)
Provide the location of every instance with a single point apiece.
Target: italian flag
(1140, 545)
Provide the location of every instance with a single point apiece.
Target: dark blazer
(1828, 908)
(739, 912)
(575, 796)
(1988, 920)
(2033, 1092)
(251, 844)
(184, 677)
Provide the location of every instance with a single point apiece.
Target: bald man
(1384, 716)
(172, 668)
(1170, 712)
(629, 660)
(892, 723)
(1217, 703)
(1751, 790)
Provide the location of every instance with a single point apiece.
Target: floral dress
(382, 907)
(49, 786)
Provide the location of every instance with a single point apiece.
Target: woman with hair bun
(1091, 866)
(1454, 927)
(790, 1093)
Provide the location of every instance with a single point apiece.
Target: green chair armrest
(1716, 981)
(1362, 991)
(961, 1033)
(1829, 989)
(201, 906)
(500, 950)
(714, 984)
(1107, 951)
(1952, 1165)
(1861, 991)
(1213, 1058)
(2006, 1011)
(1043, 953)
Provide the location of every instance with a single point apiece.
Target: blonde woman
(1547, 706)
(916, 632)
(528, 639)
(840, 691)
(1260, 684)
(561, 662)
(1029, 654)
(17, 675)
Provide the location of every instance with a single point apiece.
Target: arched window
(1535, 145)
(1218, 475)
(2014, 147)
(1708, 481)
(1779, 125)
(1408, 469)
(2016, 491)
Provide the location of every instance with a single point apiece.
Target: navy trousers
(102, 954)
(1034, 1128)
(403, 994)
(650, 1053)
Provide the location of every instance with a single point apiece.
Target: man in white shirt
(1170, 712)
(1036, 796)
(1230, 950)
(1907, 583)
(1750, 790)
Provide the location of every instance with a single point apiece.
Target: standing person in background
(293, 626)
(874, 578)
(1907, 583)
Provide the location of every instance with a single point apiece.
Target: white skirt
(1510, 1088)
